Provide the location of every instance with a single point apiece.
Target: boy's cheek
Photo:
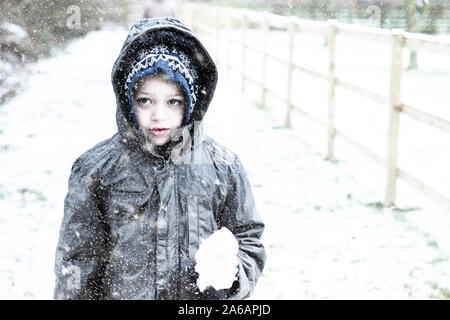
(142, 119)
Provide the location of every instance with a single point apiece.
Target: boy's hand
(217, 262)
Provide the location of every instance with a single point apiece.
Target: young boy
(140, 203)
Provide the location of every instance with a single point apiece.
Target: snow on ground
(325, 235)
(67, 106)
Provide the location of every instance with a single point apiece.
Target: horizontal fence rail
(216, 18)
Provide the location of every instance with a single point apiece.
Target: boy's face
(159, 106)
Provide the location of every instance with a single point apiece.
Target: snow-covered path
(325, 236)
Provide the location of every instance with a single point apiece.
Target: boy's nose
(159, 112)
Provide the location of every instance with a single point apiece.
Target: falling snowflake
(163, 207)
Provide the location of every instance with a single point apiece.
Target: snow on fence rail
(212, 18)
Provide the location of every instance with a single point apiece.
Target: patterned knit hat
(175, 64)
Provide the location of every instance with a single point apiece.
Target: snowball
(217, 262)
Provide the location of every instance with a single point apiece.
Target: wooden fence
(204, 18)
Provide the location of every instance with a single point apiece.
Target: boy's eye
(143, 101)
(174, 102)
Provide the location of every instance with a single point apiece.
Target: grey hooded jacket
(134, 215)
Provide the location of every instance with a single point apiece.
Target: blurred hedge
(46, 21)
(30, 29)
(432, 16)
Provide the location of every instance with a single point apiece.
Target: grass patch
(332, 161)
(438, 260)
(38, 195)
(378, 205)
(399, 217)
(258, 105)
(5, 147)
(444, 293)
(412, 228)
(356, 261)
(403, 210)
(432, 243)
(375, 205)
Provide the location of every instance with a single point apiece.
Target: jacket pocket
(130, 246)
(126, 206)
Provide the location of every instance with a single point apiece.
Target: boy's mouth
(159, 131)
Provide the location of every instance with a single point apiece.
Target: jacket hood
(147, 33)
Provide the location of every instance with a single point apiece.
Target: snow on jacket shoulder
(133, 220)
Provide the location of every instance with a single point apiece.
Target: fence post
(229, 23)
(291, 30)
(126, 12)
(217, 33)
(194, 21)
(210, 26)
(394, 113)
(244, 39)
(190, 14)
(264, 66)
(331, 87)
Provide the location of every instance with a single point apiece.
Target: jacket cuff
(241, 288)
